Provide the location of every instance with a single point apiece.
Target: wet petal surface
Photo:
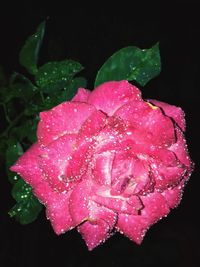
(109, 96)
(66, 118)
(99, 226)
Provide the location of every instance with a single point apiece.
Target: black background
(90, 34)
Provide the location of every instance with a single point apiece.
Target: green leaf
(10, 110)
(64, 95)
(72, 88)
(131, 63)
(32, 109)
(21, 190)
(28, 56)
(55, 75)
(31, 135)
(20, 87)
(27, 207)
(13, 152)
(26, 130)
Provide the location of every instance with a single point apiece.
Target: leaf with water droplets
(54, 76)
(13, 152)
(72, 88)
(20, 87)
(28, 56)
(27, 130)
(131, 63)
(27, 208)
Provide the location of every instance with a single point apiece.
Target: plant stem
(5, 111)
(12, 123)
(42, 96)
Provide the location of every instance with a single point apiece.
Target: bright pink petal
(173, 195)
(119, 204)
(94, 234)
(109, 96)
(122, 172)
(78, 203)
(109, 137)
(166, 169)
(166, 176)
(78, 162)
(180, 149)
(132, 226)
(56, 204)
(135, 226)
(130, 175)
(165, 155)
(99, 226)
(82, 154)
(153, 126)
(27, 166)
(102, 167)
(171, 111)
(54, 161)
(57, 207)
(141, 178)
(82, 95)
(65, 118)
(133, 141)
(92, 126)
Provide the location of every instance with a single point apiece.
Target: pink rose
(108, 161)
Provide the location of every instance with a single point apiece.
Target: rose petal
(165, 155)
(173, 195)
(27, 166)
(57, 207)
(132, 226)
(78, 162)
(130, 175)
(149, 122)
(180, 149)
(65, 118)
(167, 176)
(92, 126)
(99, 226)
(166, 169)
(54, 161)
(109, 137)
(109, 96)
(81, 95)
(122, 172)
(176, 113)
(102, 166)
(119, 204)
(78, 202)
(135, 226)
(82, 154)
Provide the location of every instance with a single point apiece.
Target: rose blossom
(108, 161)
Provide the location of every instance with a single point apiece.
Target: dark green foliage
(131, 63)
(22, 99)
